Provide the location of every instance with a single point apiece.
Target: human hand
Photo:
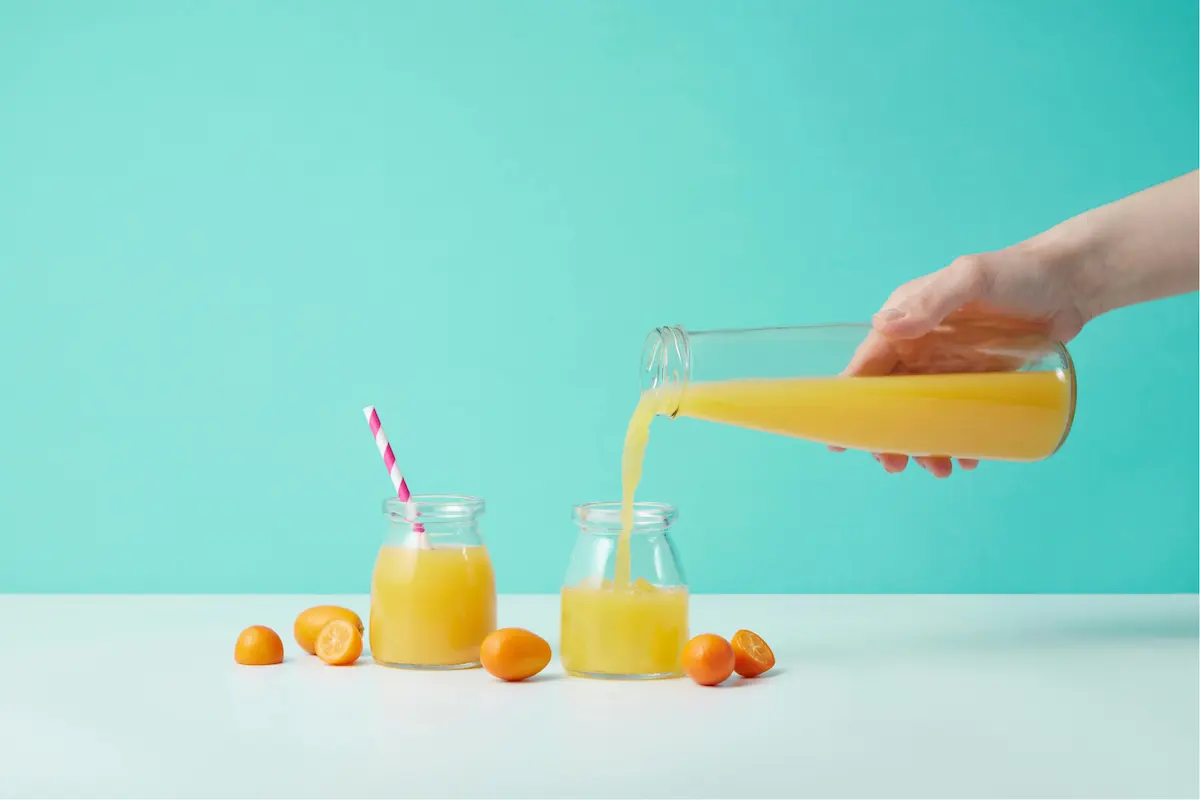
(1141, 248)
(943, 322)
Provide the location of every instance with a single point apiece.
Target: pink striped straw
(389, 461)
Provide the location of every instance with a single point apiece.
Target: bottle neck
(666, 358)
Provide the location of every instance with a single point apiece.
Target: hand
(937, 323)
(1141, 248)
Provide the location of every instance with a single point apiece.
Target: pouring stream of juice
(636, 437)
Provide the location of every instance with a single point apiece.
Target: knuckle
(973, 271)
(907, 292)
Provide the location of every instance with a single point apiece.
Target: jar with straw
(433, 590)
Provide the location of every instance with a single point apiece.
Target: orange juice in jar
(433, 592)
(624, 603)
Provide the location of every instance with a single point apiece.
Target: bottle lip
(605, 517)
(666, 357)
(433, 508)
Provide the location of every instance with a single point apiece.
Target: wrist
(1070, 258)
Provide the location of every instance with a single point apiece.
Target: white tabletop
(872, 696)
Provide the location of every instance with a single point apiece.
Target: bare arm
(1140, 248)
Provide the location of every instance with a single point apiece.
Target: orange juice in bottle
(968, 389)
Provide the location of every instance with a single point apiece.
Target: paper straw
(389, 461)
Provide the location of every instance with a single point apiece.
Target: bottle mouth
(605, 518)
(666, 358)
(429, 508)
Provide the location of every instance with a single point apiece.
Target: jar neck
(447, 520)
(462, 533)
(427, 508)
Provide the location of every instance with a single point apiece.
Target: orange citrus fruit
(258, 646)
(707, 659)
(339, 643)
(308, 625)
(514, 654)
(751, 655)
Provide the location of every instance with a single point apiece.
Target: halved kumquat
(751, 655)
(339, 643)
(258, 646)
(310, 621)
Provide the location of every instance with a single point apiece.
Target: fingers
(892, 463)
(937, 466)
(918, 307)
(914, 310)
(875, 356)
(941, 467)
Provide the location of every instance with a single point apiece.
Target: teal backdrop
(225, 227)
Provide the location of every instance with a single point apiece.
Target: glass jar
(634, 631)
(433, 592)
(971, 388)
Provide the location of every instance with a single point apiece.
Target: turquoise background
(225, 227)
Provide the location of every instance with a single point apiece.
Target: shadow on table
(737, 682)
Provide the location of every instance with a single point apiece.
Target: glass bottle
(970, 388)
(433, 592)
(634, 631)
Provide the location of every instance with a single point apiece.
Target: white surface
(873, 696)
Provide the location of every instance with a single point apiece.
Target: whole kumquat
(707, 659)
(514, 654)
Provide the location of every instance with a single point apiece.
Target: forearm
(1141, 248)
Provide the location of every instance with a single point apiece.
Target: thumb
(920, 306)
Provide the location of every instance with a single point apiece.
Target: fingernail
(890, 315)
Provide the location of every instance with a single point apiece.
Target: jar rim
(605, 517)
(433, 507)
